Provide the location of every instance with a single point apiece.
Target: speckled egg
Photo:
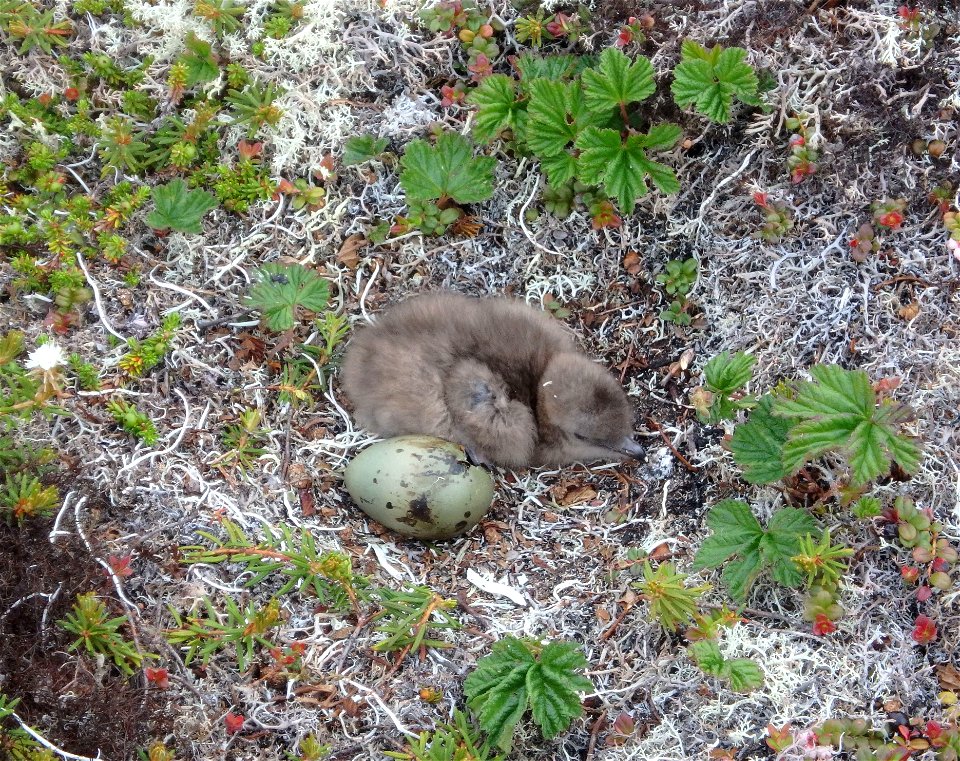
(419, 486)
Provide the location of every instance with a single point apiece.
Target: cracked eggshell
(419, 486)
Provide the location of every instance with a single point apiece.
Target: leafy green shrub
(245, 629)
(562, 113)
(457, 741)
(743, 674)
(133, 421)
(17, 743)
(521, 674)
(23, 497)
(435, 176)
(671, 602)
(99, 635)
(362, 148)
(724, 376)
(146, 354)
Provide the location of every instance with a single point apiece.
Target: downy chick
(495, 375)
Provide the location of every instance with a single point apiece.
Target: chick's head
(586, 411)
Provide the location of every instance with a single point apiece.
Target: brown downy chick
(495, 375)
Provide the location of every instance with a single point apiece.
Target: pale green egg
(419, 486)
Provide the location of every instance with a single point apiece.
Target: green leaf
(616, 82)
(560, 168)
(706, 652)
(781, 543)
(200, 61)
(661, 137)
(179, 208)
(557, 114)
(446, 170)
(744, 674)
(735, 530)
(284, 288)
(726, 372)
(740, 540)
(532, 67)
(757, 445)
(498, 107)
(710, 79)
(620, 166)
(838, 412)
(504, 682)
(361, 148)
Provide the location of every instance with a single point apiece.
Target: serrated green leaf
(362, 148)
(620, 166)
(282, 289)
(781, 543)
(726, 372)
(557, 115)
(616, 82)
(710, 79)
(505, 681)
(533, 67)
(838, 412)
(744, 674)
(739, 540)
(497, 107)
(758, 444)
(706, 653)
(560, 168)
(739, 574)
(446, 170)
(661, 137)
(176, 207)
(200, 62)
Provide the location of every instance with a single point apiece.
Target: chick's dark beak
(632, 449)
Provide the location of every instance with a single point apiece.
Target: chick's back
(395, 371)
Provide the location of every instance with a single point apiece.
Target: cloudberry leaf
(710, 78)
(620, 165)
(727, 372)
(558, 115)
(616, 82)
(498, 107)
(446, 170)
(284, 288)
(200, 61)
(757, 445)
(179, 208)
(744, 674)
(838, 412)
(532, 67)
(747, 548)
(517, 674)
(360, 148)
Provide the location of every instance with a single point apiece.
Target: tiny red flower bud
(234, 722)
(71, 94)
